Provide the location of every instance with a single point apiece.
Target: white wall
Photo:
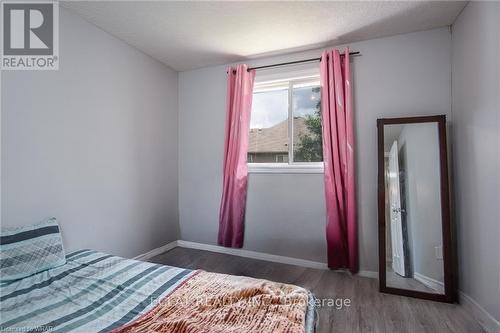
(93, 144)
(476, 152)
(396, 76)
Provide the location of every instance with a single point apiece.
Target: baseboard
(264, 256)
(246, 254)
(252, 254)
(429, 282)
(157, 251)
(486, 320)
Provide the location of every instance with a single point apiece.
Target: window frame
(291, 166)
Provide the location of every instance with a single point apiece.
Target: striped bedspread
(92, 292)
(96, 292)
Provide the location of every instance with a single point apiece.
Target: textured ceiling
(188, 35)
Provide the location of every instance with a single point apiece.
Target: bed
(98, 292)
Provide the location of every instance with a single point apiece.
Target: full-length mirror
(414, 224)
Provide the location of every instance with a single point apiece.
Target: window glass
(285, 125)
(307, 139)
(268, 140)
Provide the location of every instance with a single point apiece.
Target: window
(285, 127)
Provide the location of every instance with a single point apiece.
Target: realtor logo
(30, 38)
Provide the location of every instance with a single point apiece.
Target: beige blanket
(211, 302)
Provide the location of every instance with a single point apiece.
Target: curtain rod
(295, 62)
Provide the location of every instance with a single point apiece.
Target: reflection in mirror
(414, 245)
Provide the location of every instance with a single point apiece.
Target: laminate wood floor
(370, 311)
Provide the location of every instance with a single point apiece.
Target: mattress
(96, 292)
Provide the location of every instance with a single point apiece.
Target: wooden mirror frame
(449, 295)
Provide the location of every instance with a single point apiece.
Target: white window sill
(285, 168)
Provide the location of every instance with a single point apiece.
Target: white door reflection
(398, 255)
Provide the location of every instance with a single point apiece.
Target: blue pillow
(31, 249)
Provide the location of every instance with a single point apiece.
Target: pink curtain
(234, 191)
(338, 156)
